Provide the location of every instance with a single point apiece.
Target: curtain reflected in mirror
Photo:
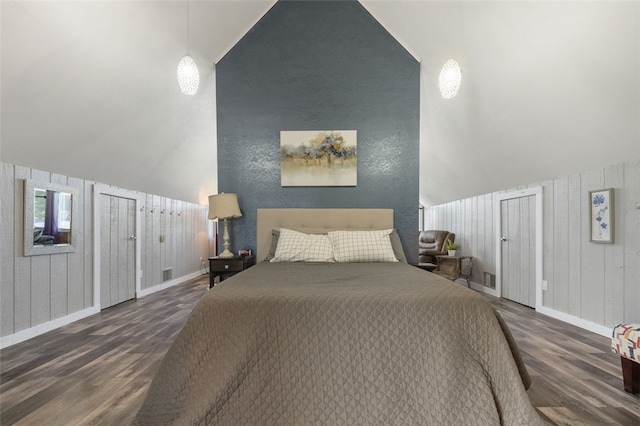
(51, 217)
(49, 212)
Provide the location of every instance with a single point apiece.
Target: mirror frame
(29, 202)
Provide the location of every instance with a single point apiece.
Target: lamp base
(225, 254)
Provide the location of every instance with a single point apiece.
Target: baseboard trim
(165, 285)
(578, 322)
(483, 289)
(39, 329)
(562, 316)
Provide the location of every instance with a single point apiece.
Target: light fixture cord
(188, 38)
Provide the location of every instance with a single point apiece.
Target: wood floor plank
(117, 409)
(96, 371)
(86, 395)
(106, 360)
(575, 378)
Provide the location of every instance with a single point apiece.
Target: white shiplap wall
(592, 285)
(39, 293)
(184, 228)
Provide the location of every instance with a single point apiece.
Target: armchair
(432, 243)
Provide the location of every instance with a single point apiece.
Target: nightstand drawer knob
(226, 266)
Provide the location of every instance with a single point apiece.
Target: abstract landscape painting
(318, 158)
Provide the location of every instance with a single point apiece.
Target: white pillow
(294, 246)
(362, 246)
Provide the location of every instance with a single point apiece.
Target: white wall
(184, 227)
(38, 293)
(541, 80)
(589, 283)
(89, 89)
(544, 85)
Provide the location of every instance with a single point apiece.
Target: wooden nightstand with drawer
(225, 267)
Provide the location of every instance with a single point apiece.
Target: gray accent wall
(319, 65)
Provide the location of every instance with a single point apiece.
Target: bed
(339, 343)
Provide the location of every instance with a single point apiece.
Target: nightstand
(225, 267)
(452, 267)
(426, 266)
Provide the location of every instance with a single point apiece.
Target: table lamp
(224, 206)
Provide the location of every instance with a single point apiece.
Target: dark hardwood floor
(97, 370)
(576, 379)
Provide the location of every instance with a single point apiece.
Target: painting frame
(602, 216)
(318, 158)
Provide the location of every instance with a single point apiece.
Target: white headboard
(316, 221)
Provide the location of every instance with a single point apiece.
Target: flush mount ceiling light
(188, 75)
(450, 79)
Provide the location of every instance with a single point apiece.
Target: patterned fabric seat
(625, 341)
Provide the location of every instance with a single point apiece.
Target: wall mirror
(49, 212)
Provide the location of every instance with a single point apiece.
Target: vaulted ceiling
(88, 89)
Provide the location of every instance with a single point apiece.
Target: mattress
(340, 344)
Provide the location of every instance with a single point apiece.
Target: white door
(117, 250)
(518, 249)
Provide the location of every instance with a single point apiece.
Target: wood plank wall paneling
(59, 271)
(574, 234)
(548, 241)
(166, 230)
(171, 217)
(184, 232)
(75, 272)
(181, 256)
(481, 232)
(39, 289)
(22, 264)
(614, 255)
(490, 240)
(162, 226)
(631, 219)
(40, 274)
(105, 255)
(592, 255)
(147, 244)
(530, 249)
(156, 272)
(7, 248)
(560, 241)
(87, 251)
(599, 283)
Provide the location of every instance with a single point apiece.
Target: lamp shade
(223, 206)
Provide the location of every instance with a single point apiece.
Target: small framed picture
(602, 216)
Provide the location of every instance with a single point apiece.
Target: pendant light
(450, 79)
(188, 76)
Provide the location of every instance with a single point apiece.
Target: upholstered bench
(625, 341)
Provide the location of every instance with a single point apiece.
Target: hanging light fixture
(188, 75)
(450, 79)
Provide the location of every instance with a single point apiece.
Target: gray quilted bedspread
(340, 344)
